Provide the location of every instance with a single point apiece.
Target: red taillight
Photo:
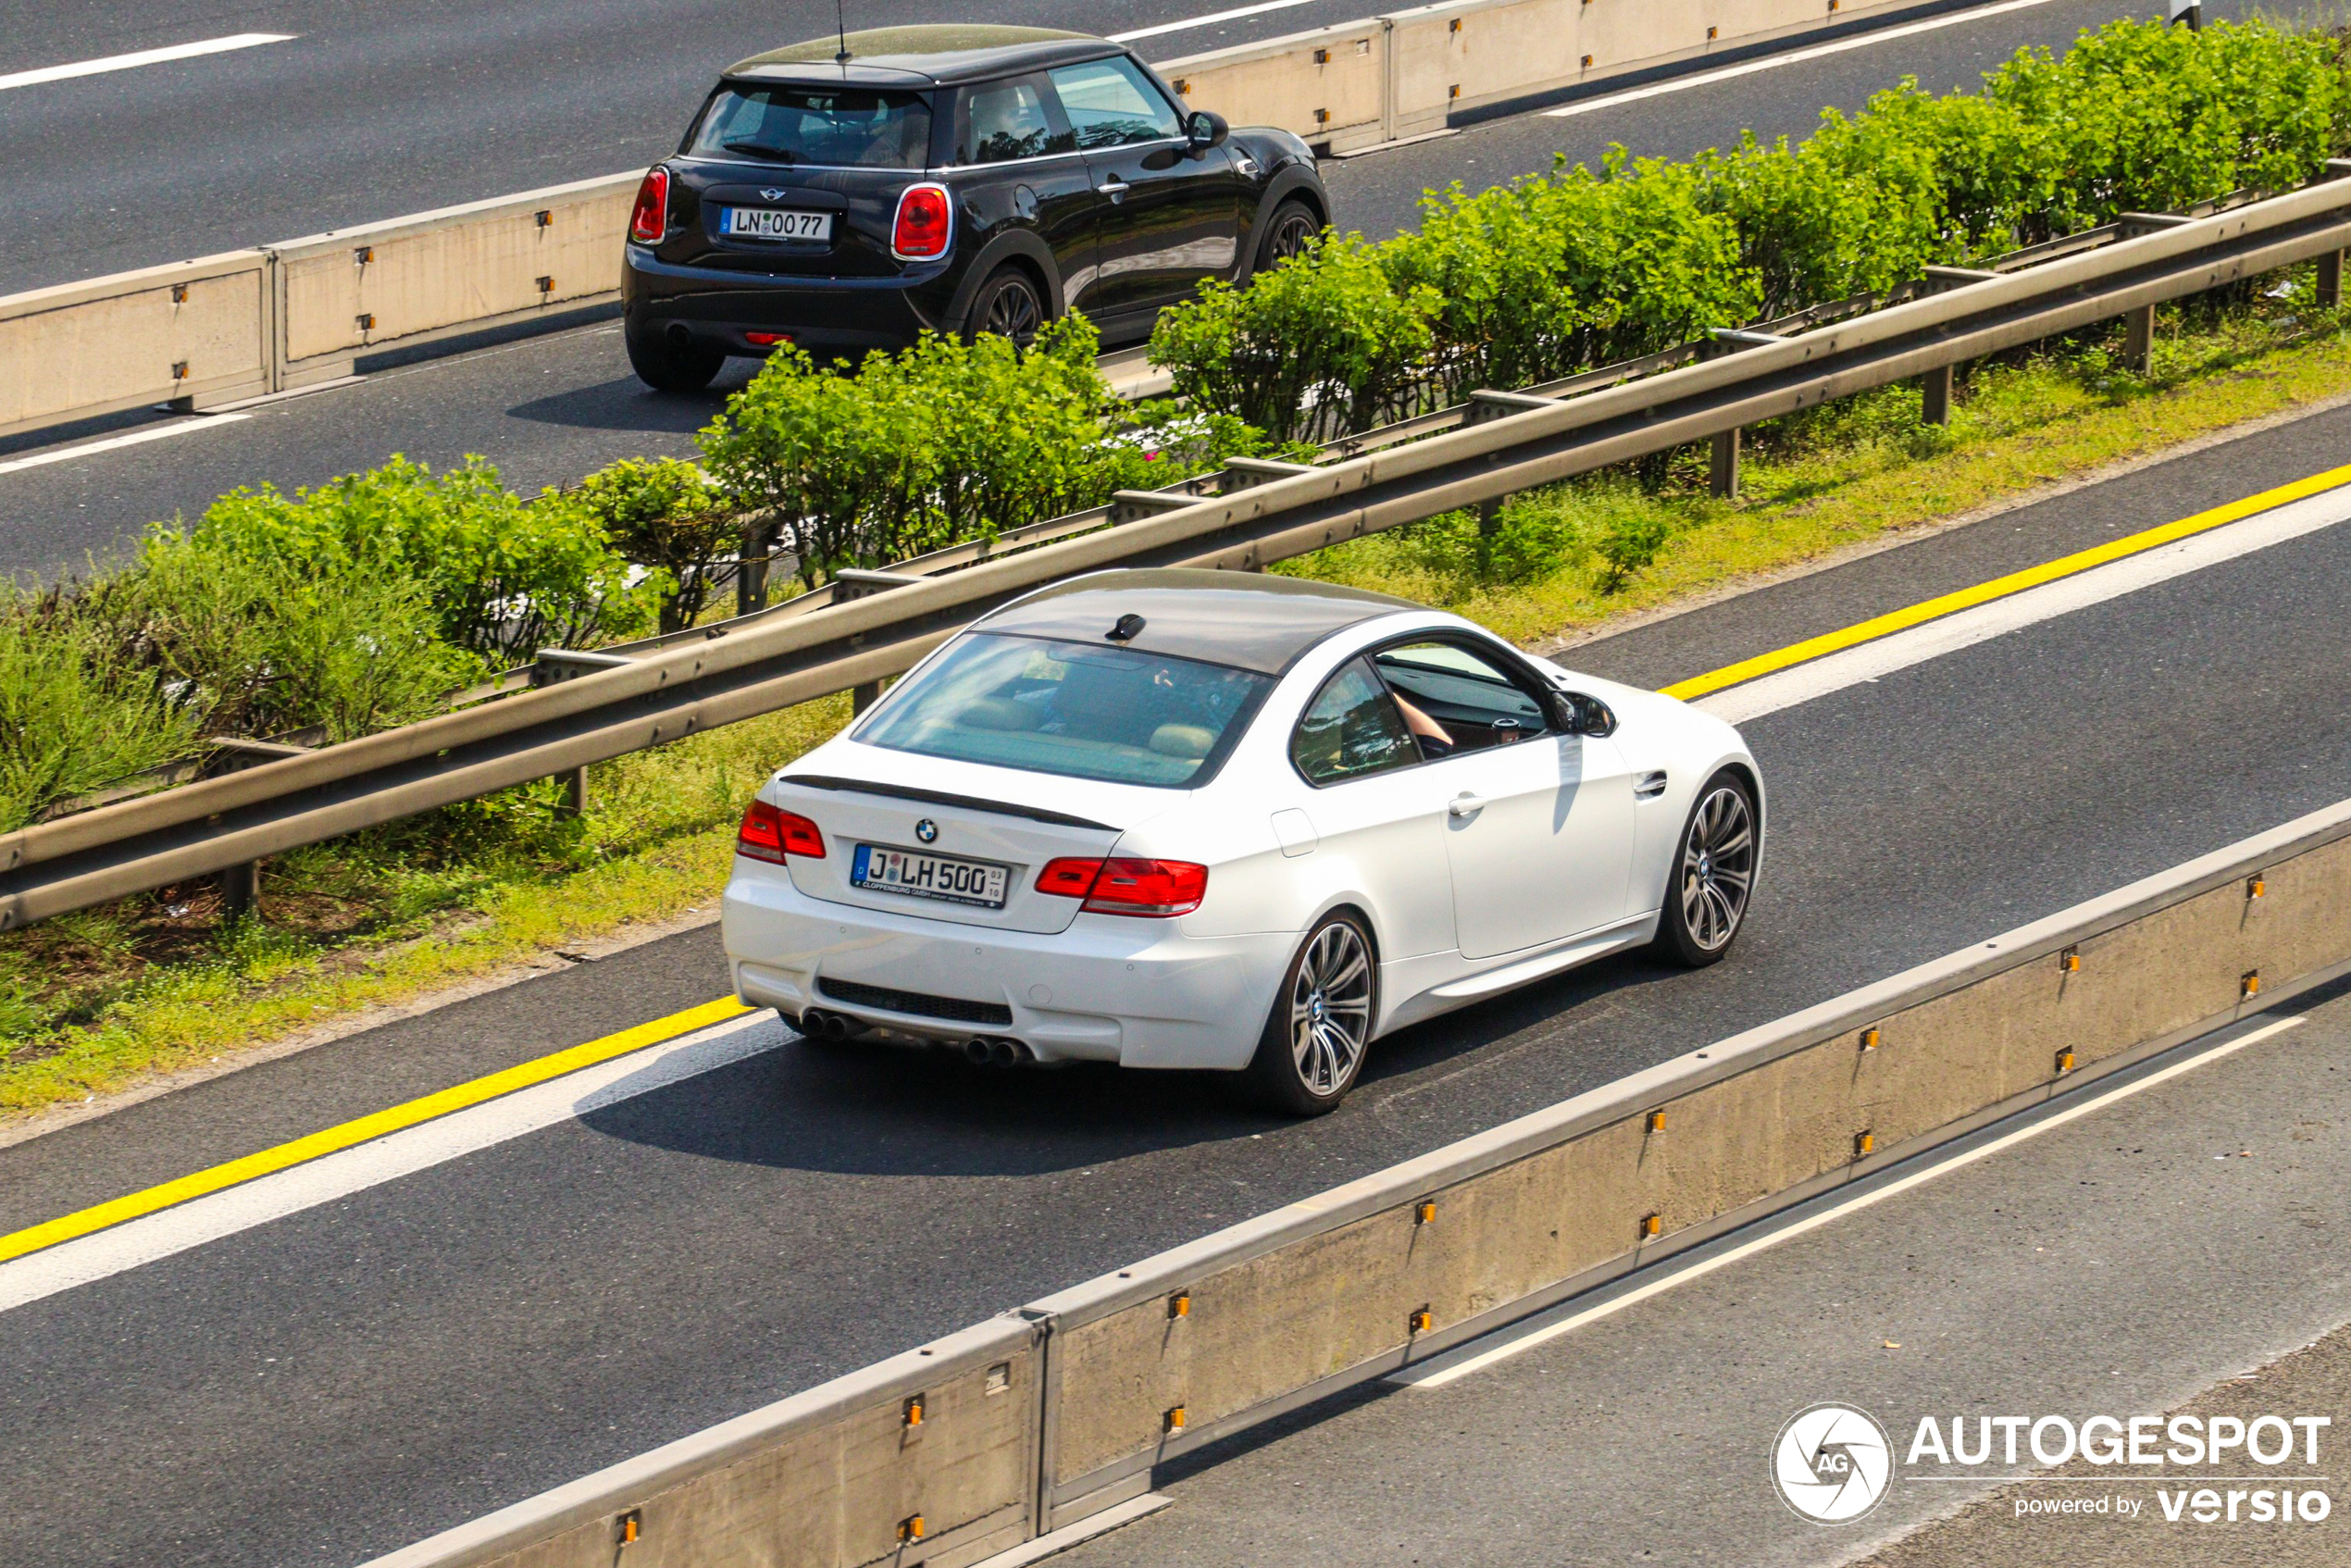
(649, 221)
(767, 340)
(769, 834)
(1156, 888)
(925, 221)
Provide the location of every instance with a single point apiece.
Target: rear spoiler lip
(940, 798)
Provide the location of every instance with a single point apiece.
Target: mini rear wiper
(761, 150)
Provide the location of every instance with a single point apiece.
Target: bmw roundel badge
(926, 831)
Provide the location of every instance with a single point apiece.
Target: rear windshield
(1078, 709)
(839, 127)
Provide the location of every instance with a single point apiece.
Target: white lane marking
(135, 438)
(1870, 660)
(1478, 1354)
(142, 57)
(1234, 15)
(139, 1241)
(1793, 57)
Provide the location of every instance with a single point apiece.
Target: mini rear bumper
(720, 308)
(1109, 988)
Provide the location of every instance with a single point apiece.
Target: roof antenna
(841, 24)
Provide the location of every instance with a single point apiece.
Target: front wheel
(1313, 1048)
(1713, 874)
(1289, 231)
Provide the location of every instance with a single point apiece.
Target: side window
(1004, 120)
(1455, 699)
(1110, 104)
(1350, 728)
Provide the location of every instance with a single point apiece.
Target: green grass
(91, 1002)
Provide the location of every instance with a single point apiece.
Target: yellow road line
(2001, 587)
(332, 1139)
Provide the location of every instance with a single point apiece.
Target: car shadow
(626, 403)
(868, 1109)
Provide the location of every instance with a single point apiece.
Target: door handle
(1651, 785)
(1465, 804)
(1114, 189)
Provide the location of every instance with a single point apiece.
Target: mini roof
(923, 56)
(1245, 619)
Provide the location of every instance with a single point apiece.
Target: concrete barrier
(457, 269)
(1329, 85)
(928, 1457)
(191, 332)
(1093, 1388)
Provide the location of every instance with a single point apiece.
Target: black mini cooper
(846, 193)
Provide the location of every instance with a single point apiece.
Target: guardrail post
(751, 584)
(1723, 465)
(576, 790)
(1936, 385)
(240, 889)
(863, 696)
(2138, 346)
(2330, 279)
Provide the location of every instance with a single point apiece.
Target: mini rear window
(834, 127)
(1081, 710)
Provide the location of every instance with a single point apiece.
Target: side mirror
(1204, 130)
(1578, 714)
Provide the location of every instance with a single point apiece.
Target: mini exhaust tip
(678, 336)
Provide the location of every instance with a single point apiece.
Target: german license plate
(774, 223)
(928, 875)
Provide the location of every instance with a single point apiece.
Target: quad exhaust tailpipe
(833, 1027)
(995, 1051)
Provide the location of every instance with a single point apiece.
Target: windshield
(839, 127)
(1072, 708)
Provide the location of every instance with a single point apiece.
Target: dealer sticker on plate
(928, 875)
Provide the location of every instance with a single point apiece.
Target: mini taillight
(649, 221)
(1154, 888)
(770, 834)
(926, 222)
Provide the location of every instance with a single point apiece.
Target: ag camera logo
(1831, 1464)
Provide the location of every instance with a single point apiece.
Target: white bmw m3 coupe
(1182, 818)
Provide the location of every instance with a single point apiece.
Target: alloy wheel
(1292, 234)
(1717, 867)
(1330, 1008)
(1014, 311)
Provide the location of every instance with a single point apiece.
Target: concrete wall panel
(195, 329)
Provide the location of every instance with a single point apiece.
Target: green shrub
(1325, 327)
(506, 577)
(945, 442)
(669, 515)
(73, 716)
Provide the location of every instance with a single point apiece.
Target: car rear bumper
(720, 309)
(1138, 992)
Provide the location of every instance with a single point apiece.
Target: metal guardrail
(226, 328)
(1478, 452)
(1059, 1412)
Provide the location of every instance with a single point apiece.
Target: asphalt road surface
(335, 1383)
(548, 409)
(2137, 1261)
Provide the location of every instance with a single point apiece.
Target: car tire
(669, 367)
(1711, 881)
(1323, 1011)
(1288, 231)
(1009, 305)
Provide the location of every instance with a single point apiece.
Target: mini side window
(1004, 121)
(1349, 729)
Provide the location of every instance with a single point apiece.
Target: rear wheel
(1291, 230)
(1010, 305)
(671, 366)
(1713, 874)
(1313, 1049)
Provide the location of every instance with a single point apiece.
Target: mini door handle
(1651, 786)
(1466, 804)
(1114, 188)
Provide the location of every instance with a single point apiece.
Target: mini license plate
(928, 875)
(774, 223)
